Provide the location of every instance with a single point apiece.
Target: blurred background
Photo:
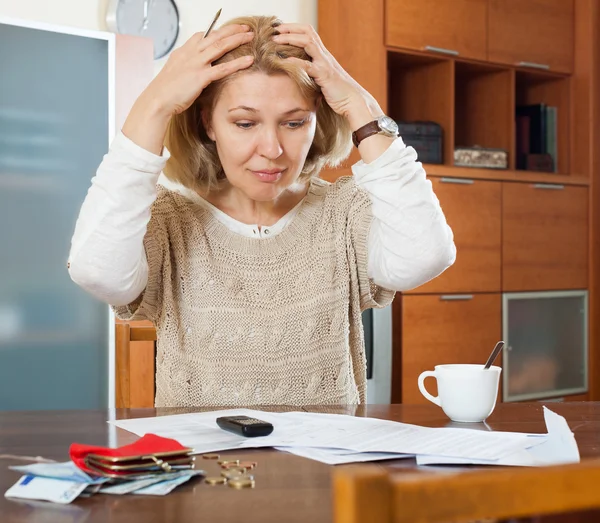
(195, 15)
(60, 103)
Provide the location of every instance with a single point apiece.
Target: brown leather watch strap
(365, 131)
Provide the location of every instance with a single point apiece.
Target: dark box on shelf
(539, 162)
(425, 137)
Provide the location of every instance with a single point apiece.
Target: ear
(207, 127)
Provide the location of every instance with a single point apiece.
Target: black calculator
(245, 426)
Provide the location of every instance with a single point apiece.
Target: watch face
(155, 19)
(389, 126)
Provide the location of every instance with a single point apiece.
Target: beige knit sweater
(245, 321)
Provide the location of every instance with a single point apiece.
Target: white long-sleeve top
(409, 240)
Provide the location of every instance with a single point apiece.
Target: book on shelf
(536, 127)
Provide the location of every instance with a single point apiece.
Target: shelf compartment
(484, 94)
(421, 88)
(537, 87)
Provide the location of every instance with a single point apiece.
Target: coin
(210, 456)
(215, 480)
(248, 465)
(228, 466)
(233, 470)
(239, 468)
(235, 474)
(228, 462)
(241, 483)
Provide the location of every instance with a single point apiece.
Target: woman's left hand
(343, 94)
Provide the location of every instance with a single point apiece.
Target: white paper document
(558, 446)
(335, 438)
(339, 457)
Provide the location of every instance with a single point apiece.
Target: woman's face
(263, 128)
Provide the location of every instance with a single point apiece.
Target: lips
(269, 171)
(268, 175)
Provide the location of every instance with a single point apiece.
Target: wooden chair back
(135, 352)
(372, 494)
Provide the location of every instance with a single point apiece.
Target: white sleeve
(410, 242)
(107, 256)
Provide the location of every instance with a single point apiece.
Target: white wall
(196, 15)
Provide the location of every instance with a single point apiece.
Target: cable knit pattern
(243, 321)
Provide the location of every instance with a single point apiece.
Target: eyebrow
(253, 110)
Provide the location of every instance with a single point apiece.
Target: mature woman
(255, 271)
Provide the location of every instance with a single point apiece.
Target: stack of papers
(336, 439)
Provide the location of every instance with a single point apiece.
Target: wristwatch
(384, 125)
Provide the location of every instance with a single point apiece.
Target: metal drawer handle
(551, 186)
(533, 65)
(441, 50)
(462, 181)
(456, 297)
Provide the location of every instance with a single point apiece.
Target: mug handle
(422, 376)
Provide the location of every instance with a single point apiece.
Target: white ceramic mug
(466, 393)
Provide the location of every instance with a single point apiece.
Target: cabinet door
(456, 27)
(545, 331)
(440, 329)
(545, 237)
(473, 210)
(535, 33)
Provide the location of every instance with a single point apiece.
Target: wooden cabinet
(534, 33)
(445, 329)
(456, 27)
(473, 210)
(545, 237)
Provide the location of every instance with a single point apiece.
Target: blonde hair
(194, 161)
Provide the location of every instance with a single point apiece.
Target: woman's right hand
(186, 74)
(188, 70)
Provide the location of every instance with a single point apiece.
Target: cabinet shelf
(504, 175)
(481, 174)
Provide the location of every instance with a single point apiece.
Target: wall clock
(155, 19)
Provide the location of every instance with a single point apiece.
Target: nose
(268, 145)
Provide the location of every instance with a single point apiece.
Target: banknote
(90, 491)
(47, 489)
(66, 471)
(164, 487)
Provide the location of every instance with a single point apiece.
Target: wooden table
(288, 488)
